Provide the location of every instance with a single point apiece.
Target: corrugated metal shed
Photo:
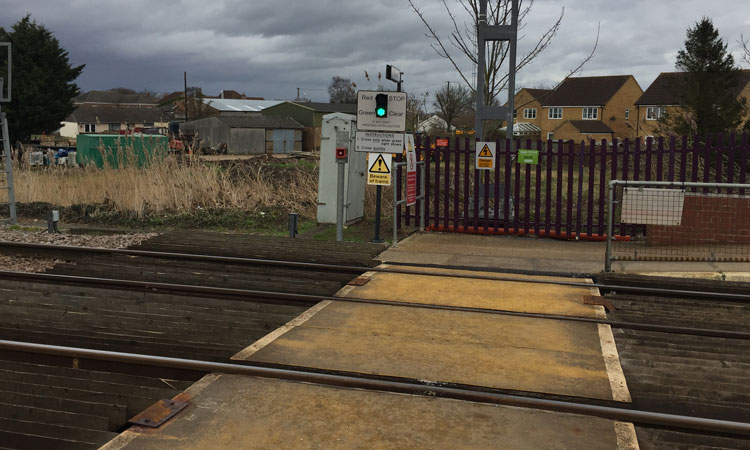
(259, 122)
(247, 134)
(232, 105)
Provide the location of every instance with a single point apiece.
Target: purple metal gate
(564, 196)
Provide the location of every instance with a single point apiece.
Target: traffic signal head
(381, 105)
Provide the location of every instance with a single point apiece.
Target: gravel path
(23, 264)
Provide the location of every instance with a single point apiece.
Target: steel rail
(285, 297)
(405, 387)
(359, 269)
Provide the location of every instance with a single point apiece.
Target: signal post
(381, 122)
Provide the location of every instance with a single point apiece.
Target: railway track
(669, 370)
(49, 401)
(705, 375)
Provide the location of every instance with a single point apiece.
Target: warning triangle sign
(485, 153)
(379, 166)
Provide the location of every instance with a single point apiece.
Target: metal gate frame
(608, 258)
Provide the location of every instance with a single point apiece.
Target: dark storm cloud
(271, 48)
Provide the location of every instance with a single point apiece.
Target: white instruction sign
(379, 142)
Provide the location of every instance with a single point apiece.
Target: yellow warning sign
(379, 166)
(485, 163)
(485, 155)
(379, 171)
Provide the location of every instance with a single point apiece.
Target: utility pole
(393, 74)
(6, 161)
(495, 33)
(488, 112)
(186, 99)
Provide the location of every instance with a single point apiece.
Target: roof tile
(585, 91)
(665, 88)
(591, 126)
(116, 114)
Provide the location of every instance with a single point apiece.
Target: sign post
(411, 171)
(6, 162)
(342, 158)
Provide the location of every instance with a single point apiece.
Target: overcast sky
(271, 48)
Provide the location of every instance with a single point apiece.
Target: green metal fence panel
(117, 151)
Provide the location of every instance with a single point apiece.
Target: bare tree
(341, 90)
(745, 49)
(196, 108)
(452, 101)
(462, 42)
(415, 109)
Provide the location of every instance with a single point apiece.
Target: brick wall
(706, 220)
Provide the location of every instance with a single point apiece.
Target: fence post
(396, 166)
(610, 221)
(423, 195)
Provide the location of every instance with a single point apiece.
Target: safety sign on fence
(411, 171)
(379, 169)
(528, 156)
(485, 159)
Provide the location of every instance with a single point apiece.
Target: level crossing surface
(535, 356)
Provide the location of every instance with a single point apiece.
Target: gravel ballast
(25, 264)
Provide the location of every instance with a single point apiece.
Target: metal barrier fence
(564, 195)
(678, 221)
(397, 202)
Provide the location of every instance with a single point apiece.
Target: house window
(654, 112)
(114, 127)
(89, 128)
(627, 114)
(148, 125)
(555, 113)
(590, 113)
(529, 113)
(550, 135)
(515, 115)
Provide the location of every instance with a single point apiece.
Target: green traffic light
(380, 112)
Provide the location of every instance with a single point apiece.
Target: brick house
(527, 119)
(663, 97)
(111, 112)
(585, 108)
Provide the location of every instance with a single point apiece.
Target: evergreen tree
(43, 88)
(709, 88)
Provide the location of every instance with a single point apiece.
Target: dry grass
(169, 186)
